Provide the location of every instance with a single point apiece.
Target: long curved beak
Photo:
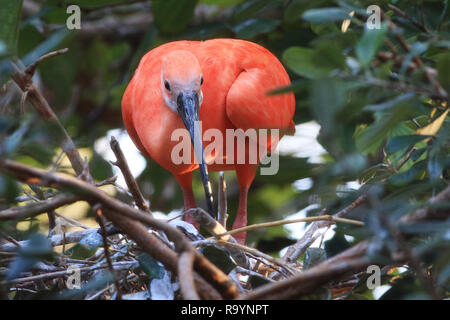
(188, 109)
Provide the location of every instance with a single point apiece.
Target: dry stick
(392, 26)
(35, 208)
(222, 214)
(10, 239)
(118, 212)
(251, 251)
(134, 229)
(106, 250)
(185, 275)
(122, 164)
(297, 249)
(260, 254)
(51, 213)
(58, 274)
(25, 83)
(215, 228)
(350, 261)
(57, 240)
(418, 25)
(283, 222)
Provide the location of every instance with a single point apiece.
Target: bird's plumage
(237, 76)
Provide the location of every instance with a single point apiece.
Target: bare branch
(122, 164)
(185, 275)
(33, 209)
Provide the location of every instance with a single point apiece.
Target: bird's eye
(201, 80)
(167, 85)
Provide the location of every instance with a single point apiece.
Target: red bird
(224, 84)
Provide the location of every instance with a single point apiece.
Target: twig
(418, 25)
(431, 79)
(215, 228)
(10, 239)
(129, 220)
(122, 164)
(258, 253)
(106, 250)
(284, 222)
(405, 159)
(25, 83)
(222, 214)
(309, 237)
(57, 240)
(185, 276)
(33, 209)
(350, 261)
(58, 274)
(31, 69)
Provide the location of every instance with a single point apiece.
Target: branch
(217, 230)
(185, 276)
(106, 250)
(256, 226)
(350, 261)
(310, 236)
(129, 220)
(24, 80)
(222, 214)
(418, 25)
(35, 208)
(122, 164)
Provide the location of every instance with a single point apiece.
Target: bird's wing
(127, 115)
(249, 106)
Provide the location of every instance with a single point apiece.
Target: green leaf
(369, 44)
(151, 267)
(8, 188)
(46, 46)
(389, 104)
(350, 164)
(220, 258)
(327, 99)
(401, 142)
(100, 168)
(257, 281)
(80, 251)
(9, 25)
(443, 67)
(95, 3)
(172, 16)
(37, 248)
(253, 27)
(314, 63)
(249, 8)
(336, 244)
(408, 176)
(325, 15)
(436, 163)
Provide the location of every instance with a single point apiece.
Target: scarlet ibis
(221, 82)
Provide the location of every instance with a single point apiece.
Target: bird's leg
(185, 181)
(241, 215)
(245, 174)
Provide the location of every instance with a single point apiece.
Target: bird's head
(181, 81)
(181, 85)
